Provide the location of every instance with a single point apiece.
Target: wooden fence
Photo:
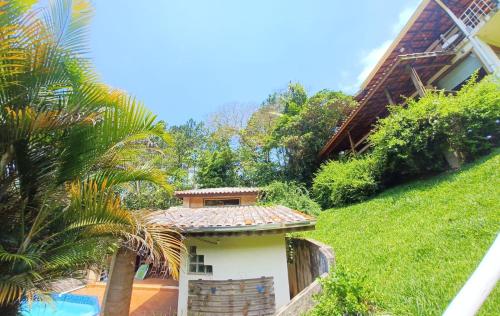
(308, 261)
(246, 297)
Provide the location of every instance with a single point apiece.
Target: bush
(289, 194)
(412, 140)
(338, 183)
(471, 121)
(343, 293)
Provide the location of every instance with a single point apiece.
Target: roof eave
(395, 43)
(181, 195)
(244, 231)
(327, 149)
(251, 228)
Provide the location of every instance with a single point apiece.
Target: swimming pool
(64, 305)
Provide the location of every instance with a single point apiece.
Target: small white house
(237, 258)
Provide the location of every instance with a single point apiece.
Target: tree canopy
(277, 141)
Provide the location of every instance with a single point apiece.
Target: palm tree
(68, 145)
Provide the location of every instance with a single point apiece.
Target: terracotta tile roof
(235, 219)
(216, 191)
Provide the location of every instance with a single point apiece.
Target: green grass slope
(418, 243)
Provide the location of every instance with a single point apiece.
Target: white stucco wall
(239, 257)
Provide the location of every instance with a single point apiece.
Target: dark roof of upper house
(417, 45)
(230, 220)
(217, 191)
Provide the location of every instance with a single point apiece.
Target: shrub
(412, 140)
(339, 182)
(289, 194)
(343, 293)
(471, 121)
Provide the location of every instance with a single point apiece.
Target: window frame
(205, 200)
(199, 263)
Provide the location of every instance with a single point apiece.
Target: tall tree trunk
(119, 286)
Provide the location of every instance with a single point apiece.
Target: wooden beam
(365, 147)
(389, 97)
(363, 139)
(374, 88)
(419, 86)
(353, 148)
(436, 65)
(425, 55)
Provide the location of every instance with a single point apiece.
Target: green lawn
(418, 243)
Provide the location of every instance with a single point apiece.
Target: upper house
(441, 46)
(218, 197)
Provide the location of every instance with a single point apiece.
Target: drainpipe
(491, 63)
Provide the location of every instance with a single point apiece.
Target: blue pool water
(64, 305)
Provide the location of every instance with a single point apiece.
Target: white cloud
(403, 17)
(371, 58)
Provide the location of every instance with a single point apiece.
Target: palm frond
(13, 258)
(68, 146)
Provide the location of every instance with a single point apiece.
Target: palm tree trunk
(119, 286)
(11, 309)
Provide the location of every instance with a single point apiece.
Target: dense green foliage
(412, 139)
(190, 141)
(344, 182)
(69, 146)
(218, 169)
(303, 128)
(344, 293)
(278, 141)
(290, 195)
(418, 243)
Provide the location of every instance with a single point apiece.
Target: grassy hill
(418, 243)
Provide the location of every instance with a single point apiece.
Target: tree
(305, 127)
(258, 167)
(189, 141)
(68, 145)
(218, 168)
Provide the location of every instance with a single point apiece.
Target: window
(221, 202)
(197, 262)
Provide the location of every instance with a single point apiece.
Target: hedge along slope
(344, 182)
(418, 243)
(288, 194)
(412, 141)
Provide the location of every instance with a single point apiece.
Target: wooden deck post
(352, 142)
(417, 82)
(389, 97)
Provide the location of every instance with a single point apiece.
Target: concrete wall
(303, 302)
(196, 201)
(241, 257)
(461, 71)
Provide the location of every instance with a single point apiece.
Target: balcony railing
(476, 12)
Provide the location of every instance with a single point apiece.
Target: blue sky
(186, 59)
